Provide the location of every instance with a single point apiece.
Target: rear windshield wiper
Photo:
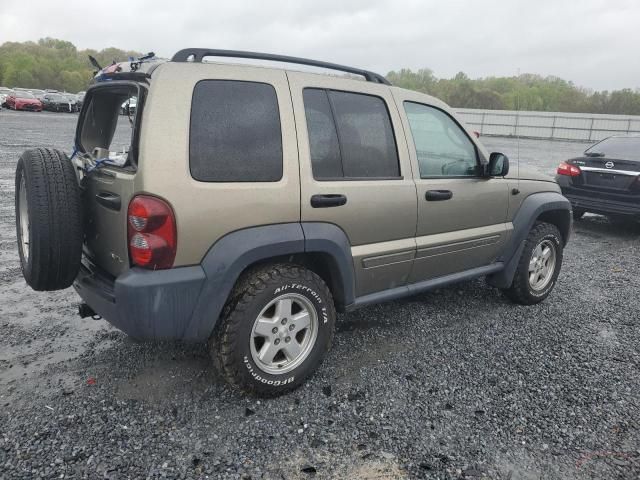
(593, 154)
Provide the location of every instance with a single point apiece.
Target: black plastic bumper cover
(147, 305)
(603, 206)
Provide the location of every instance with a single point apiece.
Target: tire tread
(55, 218)
(248, 287)
(518, 292)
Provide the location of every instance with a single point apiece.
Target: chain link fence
(549, 125)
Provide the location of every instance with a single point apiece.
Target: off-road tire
(521, 291)
(55, 219)
(230, 343)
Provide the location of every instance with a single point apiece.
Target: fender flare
(235, 252)
(530, 210)
(331, 241)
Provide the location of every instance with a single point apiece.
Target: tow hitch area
(85, 311)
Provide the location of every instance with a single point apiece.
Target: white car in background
(129, 107)
(4, 93)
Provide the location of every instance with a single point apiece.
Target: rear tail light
(151, 232)
(569, 170)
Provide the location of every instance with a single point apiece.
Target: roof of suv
(143, 67)
(199, 54)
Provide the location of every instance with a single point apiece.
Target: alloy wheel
(284, 334)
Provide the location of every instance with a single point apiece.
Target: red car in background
(23, 101)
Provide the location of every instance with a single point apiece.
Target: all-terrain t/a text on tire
(275, 330)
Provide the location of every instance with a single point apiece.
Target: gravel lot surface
(458, 383)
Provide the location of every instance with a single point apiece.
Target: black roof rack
(197, 54)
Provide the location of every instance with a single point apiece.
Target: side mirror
(498, 165)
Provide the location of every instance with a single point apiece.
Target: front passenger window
(442, 147)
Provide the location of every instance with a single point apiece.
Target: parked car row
(37, 100)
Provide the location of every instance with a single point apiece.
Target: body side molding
(424, 286)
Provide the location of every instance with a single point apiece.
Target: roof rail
(198, 54)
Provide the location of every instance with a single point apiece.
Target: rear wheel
(275, 330)
(539, 265)
(48, 219)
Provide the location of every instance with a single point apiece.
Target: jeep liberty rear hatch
(107, 154)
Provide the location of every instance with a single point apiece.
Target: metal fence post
(591, 128)
(482, 123)
(553, 127)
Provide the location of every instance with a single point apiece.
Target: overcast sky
(594, 43)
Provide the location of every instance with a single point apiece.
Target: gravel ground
(457, 383)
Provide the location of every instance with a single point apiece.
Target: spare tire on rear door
(48, 219)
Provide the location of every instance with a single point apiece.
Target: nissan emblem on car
(609, 164)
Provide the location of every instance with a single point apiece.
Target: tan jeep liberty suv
(244, 205)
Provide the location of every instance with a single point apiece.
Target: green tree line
(58, 64)
(51, 63)
(523, 92)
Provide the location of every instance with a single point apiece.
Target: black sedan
(56, 102)
(605, 180)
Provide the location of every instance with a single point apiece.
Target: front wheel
(275, 330)
(539, 265)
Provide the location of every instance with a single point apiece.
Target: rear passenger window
(235, 132)
(323, 137)
(350, 136)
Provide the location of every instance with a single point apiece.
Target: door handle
(109, 200)
(438, 195)
(328, 200)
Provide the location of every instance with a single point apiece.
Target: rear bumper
(603, 206)
(147, 305)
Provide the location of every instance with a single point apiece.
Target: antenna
(518, 130)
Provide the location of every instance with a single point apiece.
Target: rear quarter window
(235, 133)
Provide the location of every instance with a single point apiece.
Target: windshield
(24, 95)
(55, 98)
(621, 148)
